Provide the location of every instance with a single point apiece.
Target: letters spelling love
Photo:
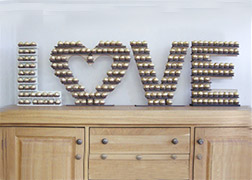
(157, 93)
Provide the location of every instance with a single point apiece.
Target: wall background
(158, 22)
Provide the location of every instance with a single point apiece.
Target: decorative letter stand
(159, 94)
(203, 70)
(115, 49)
(28, 94)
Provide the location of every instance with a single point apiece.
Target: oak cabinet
(222, 153)
(125, 143)
(32, 153)
(44, 153)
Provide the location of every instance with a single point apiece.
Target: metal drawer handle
(139, 157)
(175, 141)
(199, 156)
(104, 156)
(78, 156)
(200, 141)
(173, 157)
(79, 141)
(105, 141)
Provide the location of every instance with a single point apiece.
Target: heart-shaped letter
(64, 50)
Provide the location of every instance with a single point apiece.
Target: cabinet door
(222, 153)
(44, 153)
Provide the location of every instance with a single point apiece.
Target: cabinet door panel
(44, 153)
(225, 154)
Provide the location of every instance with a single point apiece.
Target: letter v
(159, 94)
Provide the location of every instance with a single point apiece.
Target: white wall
(159, 22)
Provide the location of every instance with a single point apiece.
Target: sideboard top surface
(125, 115)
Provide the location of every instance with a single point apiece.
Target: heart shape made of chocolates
(65, 50)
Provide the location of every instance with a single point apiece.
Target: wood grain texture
(145, 157)
(2, 154)
(226, 154)
(150, 167)
(44, 153)
(125, 115)
(139, 140)
(86, 157)
(192, 132)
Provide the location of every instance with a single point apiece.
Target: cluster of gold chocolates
(27, 87)
(200, 57)
(26, 44)
(39, 94)
(26, 65)
(108, 47)
(162, 87)
(39, 102)
(26, 58)
(216, 102)
(178, 50)
(28, 93)
(203, 69)
(204, 86)
(214, 94)
(90, 102)
(26, 80)
(26, 51)
(115, 49)
(211, 72)
(159, 94)
(200, 79)
(217, 50)
(39, 98)
(180, 44)
(215, 43)
(213, 65)
(26, 73)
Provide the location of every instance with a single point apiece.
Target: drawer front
(139, 140)
(149, 167)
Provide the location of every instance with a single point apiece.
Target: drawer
(149, 167)
(139, 140)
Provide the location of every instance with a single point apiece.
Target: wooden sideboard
(125, 142)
